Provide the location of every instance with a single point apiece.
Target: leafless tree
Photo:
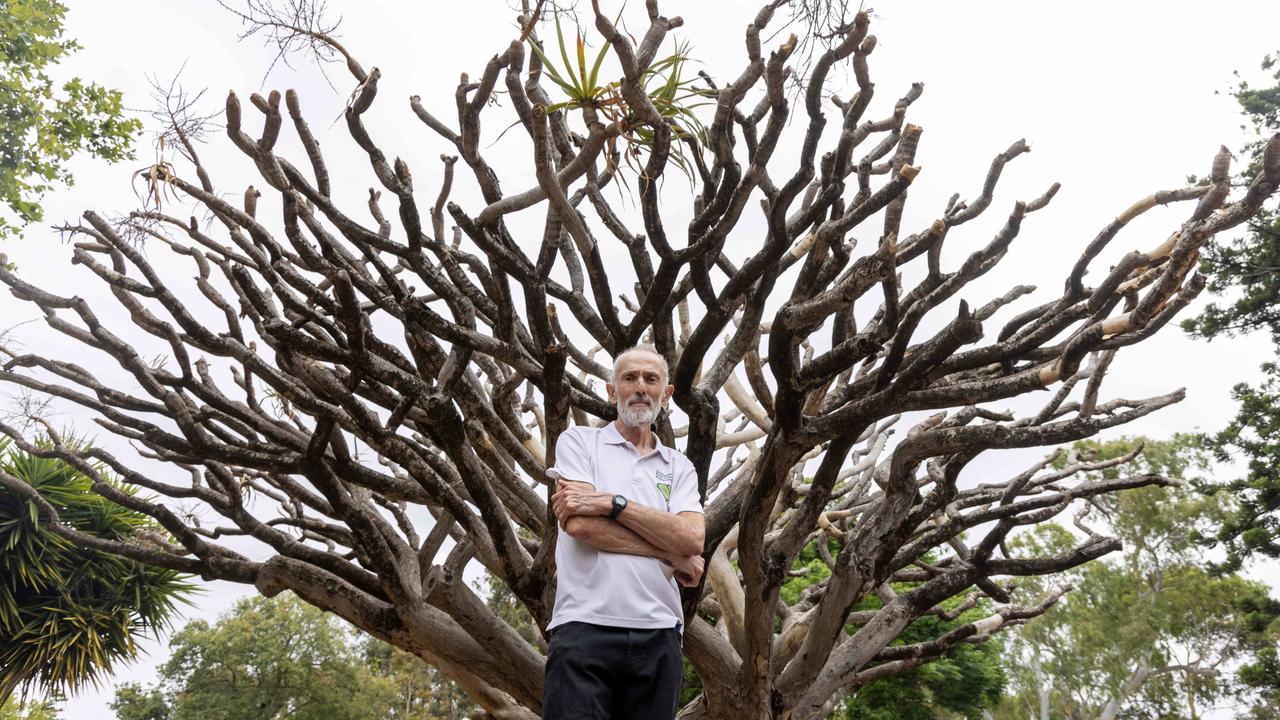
(453, 348)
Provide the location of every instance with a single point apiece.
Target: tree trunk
(1136, 678)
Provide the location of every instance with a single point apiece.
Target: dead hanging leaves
(160, 181)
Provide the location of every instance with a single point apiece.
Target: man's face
(639, 391)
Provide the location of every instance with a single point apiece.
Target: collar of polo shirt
(613, 437)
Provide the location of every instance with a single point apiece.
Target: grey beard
(636, 417)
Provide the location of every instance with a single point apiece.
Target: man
(631, 527)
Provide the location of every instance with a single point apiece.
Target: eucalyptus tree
(399, 373)
(1188, 641)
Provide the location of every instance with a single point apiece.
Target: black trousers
(608, 673)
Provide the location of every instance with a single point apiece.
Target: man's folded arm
(608, 535)
(677, 533)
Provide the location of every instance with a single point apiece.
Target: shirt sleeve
(573, 458)
(684, 488)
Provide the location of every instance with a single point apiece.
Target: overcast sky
(1117, 100)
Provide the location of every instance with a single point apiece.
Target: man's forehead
(639, 360)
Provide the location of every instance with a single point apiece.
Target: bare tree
(454, 349)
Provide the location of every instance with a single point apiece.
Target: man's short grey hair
(646, 349)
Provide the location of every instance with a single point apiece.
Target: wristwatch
(619, 504)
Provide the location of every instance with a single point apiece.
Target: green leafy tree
(68, 613)
(1150, 634)
(1245, 273)
(281, 658)
(425, 693)
(266, 658)
(135, 702)
(41, 127)
(15, 709)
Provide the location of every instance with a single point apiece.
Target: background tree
(1149, 633)
(15, 709)
(397, 383)
(135, 702)
(42, 128)
(266, 658)
(1245, 272)
(281, 658)
(69, 612)
(423, 692)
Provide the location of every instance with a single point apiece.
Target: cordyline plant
(70, 612)
(456, 361)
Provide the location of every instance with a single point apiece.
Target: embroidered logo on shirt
(664, 484)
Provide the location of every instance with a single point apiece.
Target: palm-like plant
(67, 613)
(673, 94)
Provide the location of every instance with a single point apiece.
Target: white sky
(1117, 100)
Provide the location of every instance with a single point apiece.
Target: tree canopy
(41, 127)
(368, 397)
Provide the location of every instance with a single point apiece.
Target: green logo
(665, 489)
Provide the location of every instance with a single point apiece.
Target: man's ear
(666, 396)
(608, 387)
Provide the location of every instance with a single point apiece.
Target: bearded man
(631, 528)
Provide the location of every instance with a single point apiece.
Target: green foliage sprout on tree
(41, 127)
(664, 81)
(69, 613)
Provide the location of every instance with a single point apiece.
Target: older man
(631, 528)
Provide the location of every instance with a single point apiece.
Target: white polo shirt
(614, 589)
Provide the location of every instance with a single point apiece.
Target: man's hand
(579, 498)
(688, 570)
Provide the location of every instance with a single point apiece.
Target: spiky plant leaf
(67, 613)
